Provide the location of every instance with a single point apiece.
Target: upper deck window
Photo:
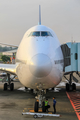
(45, 34)
(34, 34)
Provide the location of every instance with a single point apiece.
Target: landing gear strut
(39, 102)
(9, 84)
(39, 99)
(70, 86)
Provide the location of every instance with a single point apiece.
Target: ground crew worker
(46, 105)
(54, 105)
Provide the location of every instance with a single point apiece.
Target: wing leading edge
(9, 45)
(9, 68)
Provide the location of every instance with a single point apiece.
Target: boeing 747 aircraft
(39, 61)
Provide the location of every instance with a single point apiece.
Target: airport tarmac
(12, 104)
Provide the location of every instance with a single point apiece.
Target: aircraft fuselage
(39, 58)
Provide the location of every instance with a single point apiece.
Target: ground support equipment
(35, 115)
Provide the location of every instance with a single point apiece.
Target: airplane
(39, 62)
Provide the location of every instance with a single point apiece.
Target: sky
(17, 16)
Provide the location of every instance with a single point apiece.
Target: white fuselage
(39, 58)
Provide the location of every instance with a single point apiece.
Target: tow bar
(35, 115)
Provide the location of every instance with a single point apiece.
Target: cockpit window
(40, 33)
(45, 33)
(34, 34)
(50, 34)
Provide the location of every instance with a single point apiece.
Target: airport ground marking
(74, 103)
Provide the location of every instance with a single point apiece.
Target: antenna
(39, 15)
(72, 39)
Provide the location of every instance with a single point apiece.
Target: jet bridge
(71, 53)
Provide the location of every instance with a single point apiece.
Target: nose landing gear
(39, 99)
(39, 104)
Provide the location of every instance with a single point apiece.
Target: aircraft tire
(74, 86)
(43, 107)
(46, 90)
(53, 88)
(31, 90)
(12, 86)
(26, 88)
(67, 87)
(36, 106)
(5, 86)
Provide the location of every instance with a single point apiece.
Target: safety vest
(46, 103)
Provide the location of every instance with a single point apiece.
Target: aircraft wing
(11, 51)
(9, 68)
(9, 45)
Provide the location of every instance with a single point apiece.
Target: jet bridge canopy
(71, 54)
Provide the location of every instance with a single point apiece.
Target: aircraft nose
(40, 65)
